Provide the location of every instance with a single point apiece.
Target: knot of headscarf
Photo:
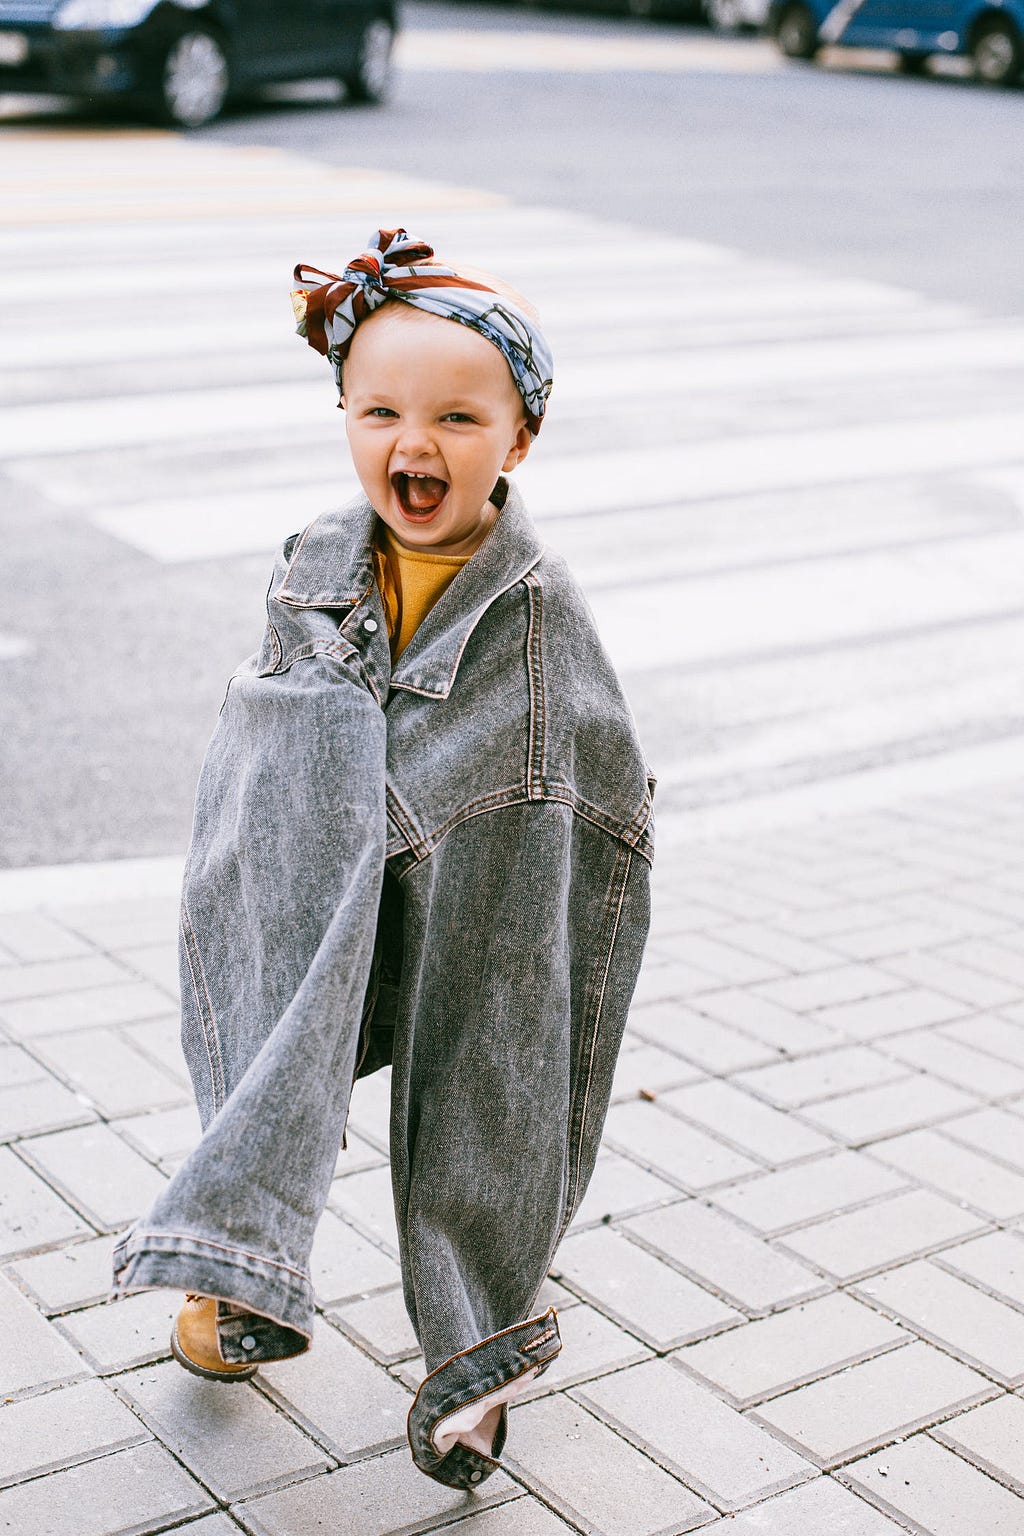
(328, 309)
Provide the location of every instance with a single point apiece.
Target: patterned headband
(329, 311)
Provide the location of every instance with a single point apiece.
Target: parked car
(181, 60)
(990, 32)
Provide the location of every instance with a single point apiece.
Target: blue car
(990, 32)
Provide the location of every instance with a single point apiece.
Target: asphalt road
(827, 552)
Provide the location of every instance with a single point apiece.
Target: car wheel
(912, 63)
(194, 80)
(796, 33)
(997, 54)
(370, 78)
(724, 15)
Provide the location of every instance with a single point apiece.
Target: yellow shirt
(410, 582)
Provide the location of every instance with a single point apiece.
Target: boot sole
(245, 1374)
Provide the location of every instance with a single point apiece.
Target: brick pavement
(792, 1300)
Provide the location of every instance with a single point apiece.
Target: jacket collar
(332, 567)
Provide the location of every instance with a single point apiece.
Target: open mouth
(419, 496)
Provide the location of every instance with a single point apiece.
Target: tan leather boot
(194, 1342)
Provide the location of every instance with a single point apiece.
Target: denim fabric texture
(444, 867)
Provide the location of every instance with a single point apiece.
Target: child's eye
(381, 411)
(457, 416)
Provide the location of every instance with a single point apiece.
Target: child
(423, 836)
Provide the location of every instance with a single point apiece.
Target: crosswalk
(795, 500)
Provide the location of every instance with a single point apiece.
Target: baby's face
(433, 417)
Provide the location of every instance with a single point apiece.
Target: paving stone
(708, 1043)
(668, 1146)
(821, 1508)
(955, 981)
(212, 1525)
(385, 1494)
(995, 1262)
(370, 1108)
(754, 1128)
(872, 1237)
(966, 1175)
(647, 1068)
(32, 1352)
(356, 1155)
(649, 1298)
(233, 1439)
(780, 1026)
(688, 1430)
(49, 977)
(999, 1133)
(886, 1110)
(124, 1003)
(346, 1402)
(988, 956)
(726, 963)
(923, 1483)
(18, 1067)
(792, 954)
(893, 938)
(520, 1517)
(367, 1201)
(67, 1277)
(834, 918)
(591, 1346)
(380, 1325)
(56, 1429)
(128, 1494)
(619, 1186)
(593, 1477)
(160, 1040)
(34, 936)
(344, 1265)
(790, 1084)
(992, 1437)
(774, 1202)
(823, 989)
(676, 979)
(115, 925)
(164, 1135)
(1001, 1038)
(935, 1052)
(31, 1214)
(790, 1348)
(157, 963)
(963, 908)
(714, 1250)
(956, 1316)
(890, 1014)
(113, 1076)
(44, 1105)
(868, 1404)
(98, 1173)
(129, 1331)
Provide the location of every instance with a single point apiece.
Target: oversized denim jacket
(445, 866)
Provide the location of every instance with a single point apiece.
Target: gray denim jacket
(444, 866)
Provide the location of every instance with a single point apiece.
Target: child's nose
(417, 438)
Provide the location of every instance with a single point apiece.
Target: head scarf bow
(329, 311)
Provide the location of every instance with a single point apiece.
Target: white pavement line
(49, 885)
(894, 785)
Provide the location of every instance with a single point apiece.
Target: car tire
(725, 16)
(369, 79)
(796, 32)
(194, 80)
(997, 53)
(912, 63)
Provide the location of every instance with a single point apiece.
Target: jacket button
(248, 1342)
(370, 625)
(475, 1477)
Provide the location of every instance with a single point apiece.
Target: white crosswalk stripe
(795, 499)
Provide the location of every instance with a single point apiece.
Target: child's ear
(520, 447)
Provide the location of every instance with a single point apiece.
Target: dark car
(990, 32)
(180, 60)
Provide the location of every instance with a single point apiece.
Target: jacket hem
(145, 1261)
(480, 1376)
